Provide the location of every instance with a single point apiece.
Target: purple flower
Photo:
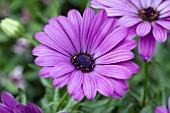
(147, 18)
(10, 105)
(87, 53)
(161, 109)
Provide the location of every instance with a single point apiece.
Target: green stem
(88, 3)
(61, 101)
(30, 40)
(55, 7)
(146, 83)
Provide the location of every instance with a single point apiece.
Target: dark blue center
(149, 12)
(83, 61)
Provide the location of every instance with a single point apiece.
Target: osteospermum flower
(161, 109)
(148, 18)
(10, 105)
(87, 53)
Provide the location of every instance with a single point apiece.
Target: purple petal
(143, 3)
(119, 5)
(156, 3)
(61, 38)
(95, 25)
(169, 104)
(143, 28)
(61, 81)
(107, 27)
(164, 7)
(51, 60)
(46, 40)
(147, 46)
(120, 86)
(97, 5)
(44, 72)
(42, 50)
(115, 71)
(136, 3)
(104, 85)
(111, 41)
(128, 21)
(125, 45)
(75, 82)
(131, 32)
(88, 17)
(30, 108)
(76, 19)
(115, 56)
(159, 33)
(161, 109)
(79, 95)
(61, 69)
(5, 109)
(89, 86)
(164, 23)
(134, 68)
(70, 30)
(9, 100)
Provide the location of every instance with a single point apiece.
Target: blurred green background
(19, 75)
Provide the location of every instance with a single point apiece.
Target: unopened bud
(12, 28)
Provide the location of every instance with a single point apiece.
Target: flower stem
(61, 101)
(55, 7)
(146, 83)
(30, 40)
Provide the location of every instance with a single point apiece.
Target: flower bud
(12, 28)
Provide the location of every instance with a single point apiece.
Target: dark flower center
(83, 61)
(149, 14)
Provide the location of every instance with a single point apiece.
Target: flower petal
(88, 17)
(131, 32)
(29, 108)
(75, 17)
(95, 25)
(89, 86)
(42, 50)
(61, 81)
(111, 41)
(125, 45)
(169, 104)
(5, 109)
(147, 46)
(9, 100)
(46, 40)
(114, 71)
(120, 86)
(75, 82)
(79, 95)
(164, 23)
(134, 68)
(61, 69)
(107, 27)
(114, 57)
(128, 21)
(104, 86)
(70, 31)
(60, 38)
(159, 33)
(161, 109)
(51, 60)
(143, 28)
(44, 72)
